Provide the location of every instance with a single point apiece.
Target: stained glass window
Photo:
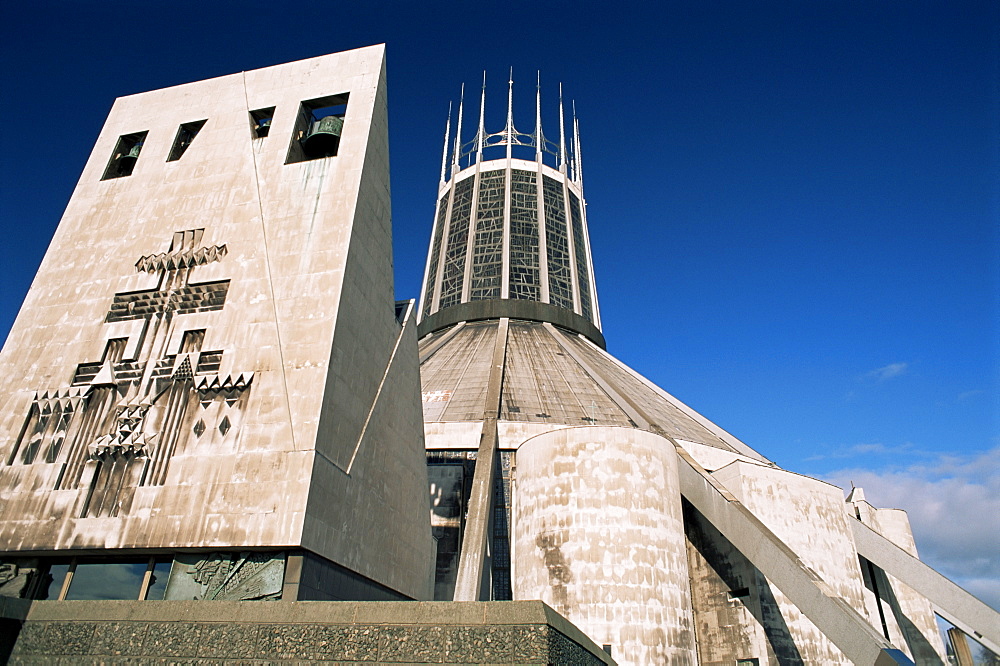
(458, 238)
(582, 267)
(557, 244)
(435, 254)
(524, 282)
(487, 252)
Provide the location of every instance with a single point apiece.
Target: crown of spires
(565, 155)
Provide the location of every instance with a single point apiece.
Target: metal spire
(444, 151)
(509, 131)
(481, 136)
(539, 139)
(457, 154)
(578, 161)
(562, 134)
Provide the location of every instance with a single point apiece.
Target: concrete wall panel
(598, 534)
(808, 516)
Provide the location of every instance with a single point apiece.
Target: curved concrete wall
(599, 536)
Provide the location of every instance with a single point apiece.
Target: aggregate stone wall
(276, 632)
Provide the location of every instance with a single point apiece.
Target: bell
(323, 137)
(263, 127)
(127, 162)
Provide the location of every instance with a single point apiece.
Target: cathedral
(222, 437)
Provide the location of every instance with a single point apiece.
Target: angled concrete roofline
(732, 440)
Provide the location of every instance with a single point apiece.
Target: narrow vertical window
(260, 122)
(487, 252)
(455, 249)
(435, 254)
(557, 242)
(185, 135)
(318, 129)
(125, 155)
(524, 280)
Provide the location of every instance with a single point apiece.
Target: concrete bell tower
(209, 380)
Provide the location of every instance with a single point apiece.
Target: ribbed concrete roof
(551, 376)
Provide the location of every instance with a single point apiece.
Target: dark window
(524, 279)
(185, 135)
(260, 122)
(125, 155)
(57, 576)
(557, 244)
(580, 247)
(318, 129)
(458, 235)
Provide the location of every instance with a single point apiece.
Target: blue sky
(793, 205)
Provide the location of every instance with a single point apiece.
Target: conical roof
(552, 376)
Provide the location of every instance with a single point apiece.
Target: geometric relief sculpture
(122, 419)
(16, 580)
(226, 576)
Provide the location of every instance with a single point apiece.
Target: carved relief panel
(123, 417)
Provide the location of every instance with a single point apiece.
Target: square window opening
(125, 155)
(260, 122)
(739, 593)
(318, 128)
(185, 135)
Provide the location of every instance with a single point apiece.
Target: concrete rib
(952, 602)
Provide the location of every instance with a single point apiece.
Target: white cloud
(962, 397)
(868, 449)
(953, 503)
(887, 371)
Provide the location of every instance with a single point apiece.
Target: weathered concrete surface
(735, 613)
(552, 379)
(834, 620)
(333, 632)
(307, 321)
(807, 515)
(598, 534)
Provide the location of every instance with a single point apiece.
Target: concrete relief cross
(122, 419)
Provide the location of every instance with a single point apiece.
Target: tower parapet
(510, 233)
